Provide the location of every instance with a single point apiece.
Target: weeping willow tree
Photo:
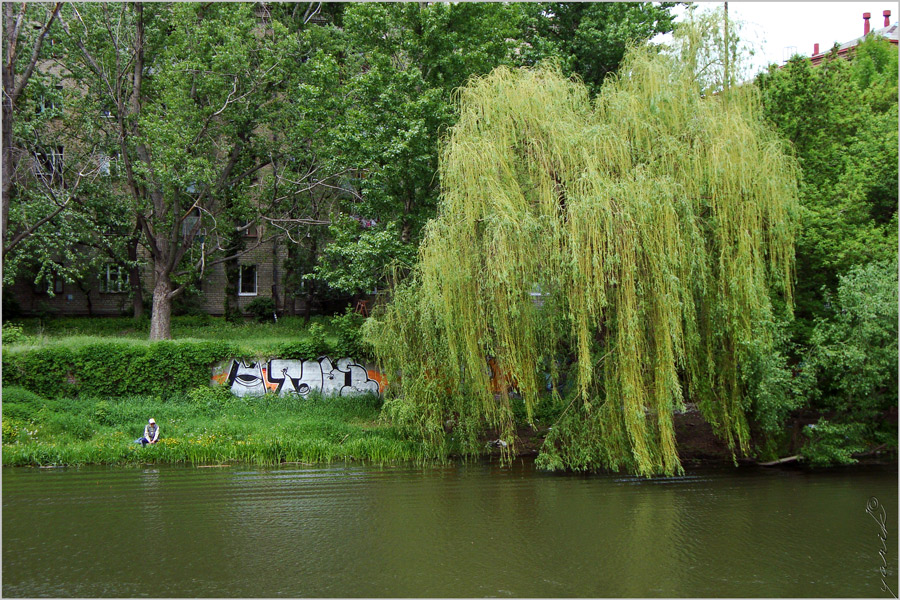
(654, 226)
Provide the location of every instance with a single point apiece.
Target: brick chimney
(866, 17)
(887, 18)
(815, 49)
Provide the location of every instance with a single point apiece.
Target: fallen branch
(781, 461)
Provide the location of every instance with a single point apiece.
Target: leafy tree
(589, 39)
(842, 120)
(188, 87)
(312, 179)
(854, 349)
(56, 194)
(400, 65)
(655, 225)
(22, 49)
(853, 360)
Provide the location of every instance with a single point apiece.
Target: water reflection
(468, 531)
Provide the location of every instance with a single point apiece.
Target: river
(461, 530)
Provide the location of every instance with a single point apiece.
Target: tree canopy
(841, 118)
(655, 226)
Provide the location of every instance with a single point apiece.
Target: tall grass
(206, 426)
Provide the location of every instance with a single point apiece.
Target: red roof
(889, 33)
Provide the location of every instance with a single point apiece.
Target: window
(48, 163)
(191, 223)
(113, 280)
(250, 230)
(247, 281)
(107, 164)
(50, 101)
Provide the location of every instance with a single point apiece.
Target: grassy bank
(333, 336)
(206, 426)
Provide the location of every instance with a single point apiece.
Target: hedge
(115, 368)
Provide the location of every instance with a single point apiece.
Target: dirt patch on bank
(699, 445)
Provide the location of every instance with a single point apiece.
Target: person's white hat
(152, 421)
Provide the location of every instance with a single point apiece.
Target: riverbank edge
(701, 450)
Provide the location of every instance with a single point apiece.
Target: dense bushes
(114, 368)
(852, 361)
(262, 309)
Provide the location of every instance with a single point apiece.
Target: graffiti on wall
(289, 376)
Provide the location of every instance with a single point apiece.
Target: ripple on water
(457, 530)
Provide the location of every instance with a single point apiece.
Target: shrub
(263, 308)
(115, 368)
(13, 334)
(350, 341)
(833, 443)
(104, 413)
(11, 429)
(309, 347)
(854, 349)
(210, 396)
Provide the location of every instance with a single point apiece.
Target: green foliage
(657, 226)
(350, 341)
(114, 368)
(853, 350)
(263, 308)
(213, 398)
(13, 334)
(852, 361)
(841, 118)
(308, 348)
(773, 389)
(588, 39)
(202, 427)
(290, 337)
(833, 443)
(357, 259)
(403, 63)
(20, 403)
(106, 326)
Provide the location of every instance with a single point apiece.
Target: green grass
(206, 426)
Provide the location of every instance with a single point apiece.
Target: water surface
(460, 531)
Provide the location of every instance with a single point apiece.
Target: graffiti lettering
(289, 376)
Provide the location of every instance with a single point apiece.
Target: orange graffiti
(270, 386)
(382, 381)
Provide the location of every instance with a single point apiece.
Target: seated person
(151, 434)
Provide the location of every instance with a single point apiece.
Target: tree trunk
(406, 232)
(231, 303)
(275, 276)
(7, 153)
(134, 278)
(161, 319)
